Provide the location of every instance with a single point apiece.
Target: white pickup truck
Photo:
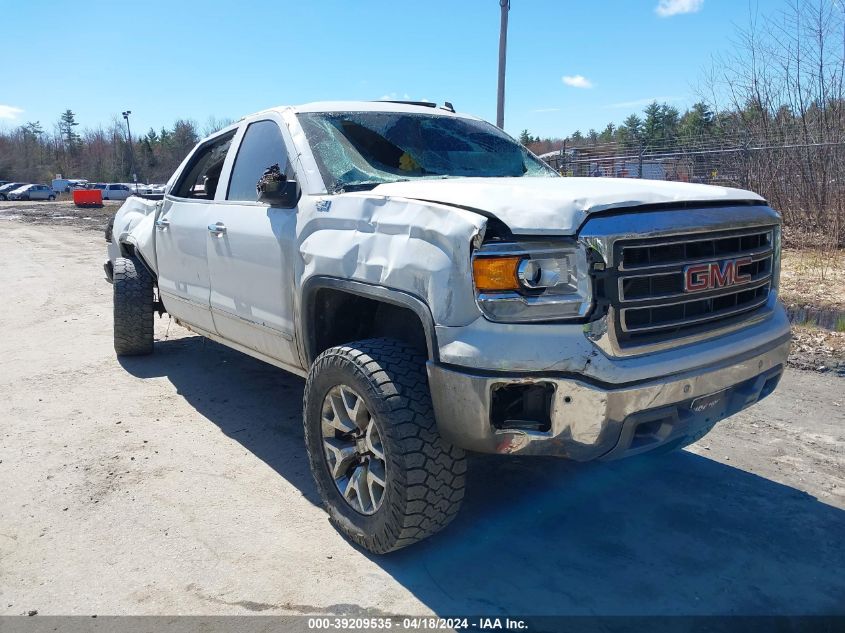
(442, 290)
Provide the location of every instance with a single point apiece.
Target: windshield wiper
(363, 186)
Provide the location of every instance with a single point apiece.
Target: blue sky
(186, 59)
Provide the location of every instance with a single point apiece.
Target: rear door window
(261, 147)
(200, 177)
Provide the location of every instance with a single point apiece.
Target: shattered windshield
(359, 150)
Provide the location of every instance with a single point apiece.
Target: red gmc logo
(715, 275)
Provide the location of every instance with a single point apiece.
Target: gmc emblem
(716, 275)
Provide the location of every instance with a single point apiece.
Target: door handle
(162, 224)
(218, 229)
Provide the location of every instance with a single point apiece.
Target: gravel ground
(60, 213)
(178, 484)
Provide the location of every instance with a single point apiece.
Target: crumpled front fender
(419, 248)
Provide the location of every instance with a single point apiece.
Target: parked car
(114, 191)
(8, 188)
(442, 291)
(151, 189)
(33, 192)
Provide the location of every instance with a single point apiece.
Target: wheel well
(338, 316)
(127, 249)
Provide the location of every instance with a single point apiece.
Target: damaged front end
(581, 420)
(592, 346)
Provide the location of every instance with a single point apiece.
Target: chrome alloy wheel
(353, 449)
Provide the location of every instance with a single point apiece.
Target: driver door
(250, 257)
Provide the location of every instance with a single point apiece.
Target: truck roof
(368, 106)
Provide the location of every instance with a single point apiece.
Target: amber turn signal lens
(495, 273)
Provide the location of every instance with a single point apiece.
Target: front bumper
(587, 421)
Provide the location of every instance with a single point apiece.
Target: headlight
(529, 281)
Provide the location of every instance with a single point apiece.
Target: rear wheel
(133, 307)
(385, 475)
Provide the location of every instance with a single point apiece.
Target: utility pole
(641, 154)
(131, 150)
(505, 6)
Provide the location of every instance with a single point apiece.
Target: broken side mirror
(275, 189)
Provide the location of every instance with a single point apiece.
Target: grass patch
(813, 277)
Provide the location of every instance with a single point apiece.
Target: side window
(262, 147)
(200, 177)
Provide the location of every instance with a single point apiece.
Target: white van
(64, 185)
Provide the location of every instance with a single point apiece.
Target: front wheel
(51, 198)
(385, 475)
(133, 307)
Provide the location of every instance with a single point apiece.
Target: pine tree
(652, 124)
(66, 124)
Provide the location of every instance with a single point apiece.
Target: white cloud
(637, 103)
(667, 8)
(394, 96)
(9, 112)
(577, 81)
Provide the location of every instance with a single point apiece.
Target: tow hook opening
(769, 385)
(650, 432)
(522, 406)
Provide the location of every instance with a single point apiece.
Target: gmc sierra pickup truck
(442, 290)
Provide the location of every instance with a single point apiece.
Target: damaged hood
(555, 206)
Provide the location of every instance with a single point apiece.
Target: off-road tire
(133, 307)
(425, 475)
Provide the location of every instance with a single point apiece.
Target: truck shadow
(675, 534)
(252, 402)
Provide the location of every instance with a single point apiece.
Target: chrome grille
(649, 294)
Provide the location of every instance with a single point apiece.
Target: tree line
(29, 153)
(659, 126)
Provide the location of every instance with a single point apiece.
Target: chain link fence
(804, 179)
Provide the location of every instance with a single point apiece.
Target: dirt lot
(178, 484)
